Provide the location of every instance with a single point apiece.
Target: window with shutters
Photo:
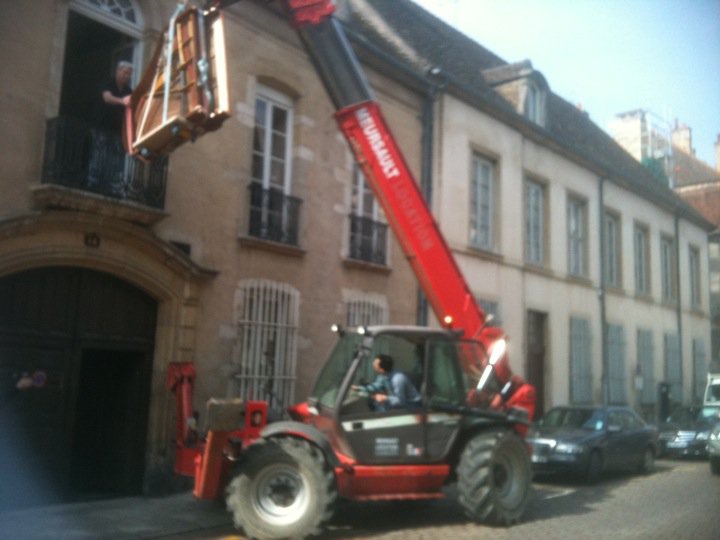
(646, 361)
(580, 361)
(266, 314)
(673, 367)
(617, 374)
(699, 369)
(694, 275)
(577, 236)
(641, 255)
(612, 250)
(667, 269)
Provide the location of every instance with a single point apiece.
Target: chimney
(682, 138)
(717, 154)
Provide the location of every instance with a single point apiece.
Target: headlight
(568, 448)
(715, 435)
(702, 436)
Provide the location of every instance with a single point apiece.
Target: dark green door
(75, 368)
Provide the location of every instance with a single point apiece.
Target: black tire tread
(303, 454)
(477, 493)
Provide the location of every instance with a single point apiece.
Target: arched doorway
(76, 356)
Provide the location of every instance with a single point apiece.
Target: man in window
(107, 156)
(391, 389)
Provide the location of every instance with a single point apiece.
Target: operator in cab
(391, 389)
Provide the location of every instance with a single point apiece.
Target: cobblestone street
(680, 500)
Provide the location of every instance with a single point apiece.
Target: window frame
(481, 227)
(612, 249)
(577, 248)
(366, 310)
(366, 223)
(535, 222)
(273, 100)
(694, 272)
(641, 256)
(267, 320)
(668, 269)
(580, 361)
(534, 103)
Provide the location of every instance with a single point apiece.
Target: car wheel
(284, 489)
(494, 478)
(715, 465)
(594, 467)
(648, 463)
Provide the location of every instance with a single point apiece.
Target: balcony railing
(80, 156)
(274, 216)
(368, 240)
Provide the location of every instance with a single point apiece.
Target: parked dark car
(685, 432)
(587, 441)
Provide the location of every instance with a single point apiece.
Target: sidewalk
(115, 519)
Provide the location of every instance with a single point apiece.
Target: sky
(610, 56)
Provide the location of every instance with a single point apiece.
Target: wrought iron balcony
(274, 216)
(82, 157)
(368, 240)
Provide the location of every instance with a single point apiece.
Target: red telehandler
(283, 479)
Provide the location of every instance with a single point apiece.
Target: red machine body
(376, 151)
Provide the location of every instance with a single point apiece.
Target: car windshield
(334, 371)
(683, 415)
(588, 419)
(709, 414)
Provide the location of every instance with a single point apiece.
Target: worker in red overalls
(505, 391)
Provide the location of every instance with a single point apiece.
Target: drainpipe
(426, 166)
(605, 382)
(678, 304)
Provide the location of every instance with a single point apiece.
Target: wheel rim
(281, 495)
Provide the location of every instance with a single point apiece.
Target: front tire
(494, 478)
(284, 489)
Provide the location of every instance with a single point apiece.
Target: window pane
(278, 146)
(481, 204)
(277, 173)
(270, 141)
(257, 167)
(576, 247)
(535, 223)
(279, 119)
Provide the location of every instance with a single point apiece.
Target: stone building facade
(240, 250)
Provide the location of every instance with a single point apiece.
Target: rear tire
(715, 465)
(284, 489)
(494, 478)
(648, 463)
